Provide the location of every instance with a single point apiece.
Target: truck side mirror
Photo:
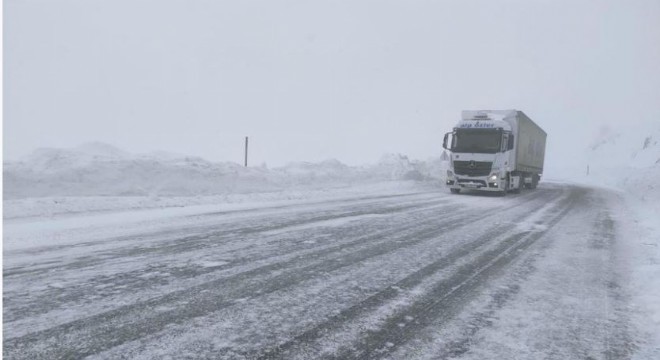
(510, 145)
(444, 142)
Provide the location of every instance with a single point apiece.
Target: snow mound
(395, 166)
(626, 159)
(98, 169)
(400, 167)
(625, 148)
(328, 169)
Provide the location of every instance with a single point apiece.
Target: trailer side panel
(530, 151)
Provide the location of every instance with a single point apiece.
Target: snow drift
(628, 161)
(98, 169)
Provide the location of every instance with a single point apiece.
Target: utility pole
(246, 150)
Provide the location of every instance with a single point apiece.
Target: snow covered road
(421, 274)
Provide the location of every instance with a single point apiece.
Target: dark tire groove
(376, 300)
(447, 298)
(81, 291)
(195, 242)
(97, 333)
(202, 302)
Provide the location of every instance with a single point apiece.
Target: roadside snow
(54, 206)
(32, 222)
(98, 169)
(642, 228)
(98, 177)
(630, 164)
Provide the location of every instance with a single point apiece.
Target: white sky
(311, 80)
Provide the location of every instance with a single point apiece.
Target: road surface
(421, 275)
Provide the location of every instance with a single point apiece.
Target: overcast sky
(311, 80)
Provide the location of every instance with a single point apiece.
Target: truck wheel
(505, 190)
(535, 181)
(455, 191)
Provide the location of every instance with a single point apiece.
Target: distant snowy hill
(102, 169)
(627, 158)
(637, 149)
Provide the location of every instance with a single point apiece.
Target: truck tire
(455, 191)
(535, 181)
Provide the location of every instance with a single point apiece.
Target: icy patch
(324, 223)
(531, 226)
(210, 264)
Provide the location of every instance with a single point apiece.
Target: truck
(495, 150)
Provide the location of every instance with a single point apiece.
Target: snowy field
(325, 261)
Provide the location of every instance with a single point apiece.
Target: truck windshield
(477, 141)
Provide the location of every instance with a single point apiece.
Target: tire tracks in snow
(619, 342)
(448, 297)
(456, 347)
(103, 331)
(581, 329)
(134, 281)
(100, 332)
(373, 302)
(234, 229)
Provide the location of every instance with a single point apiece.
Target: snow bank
(100, 177)
(73, 205)
(629, 160)
(98, 169)
(626, 160)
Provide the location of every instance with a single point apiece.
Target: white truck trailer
(495, 150)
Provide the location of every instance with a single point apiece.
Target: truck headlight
(493, 177)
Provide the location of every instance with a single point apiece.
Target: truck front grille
(472, 168)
